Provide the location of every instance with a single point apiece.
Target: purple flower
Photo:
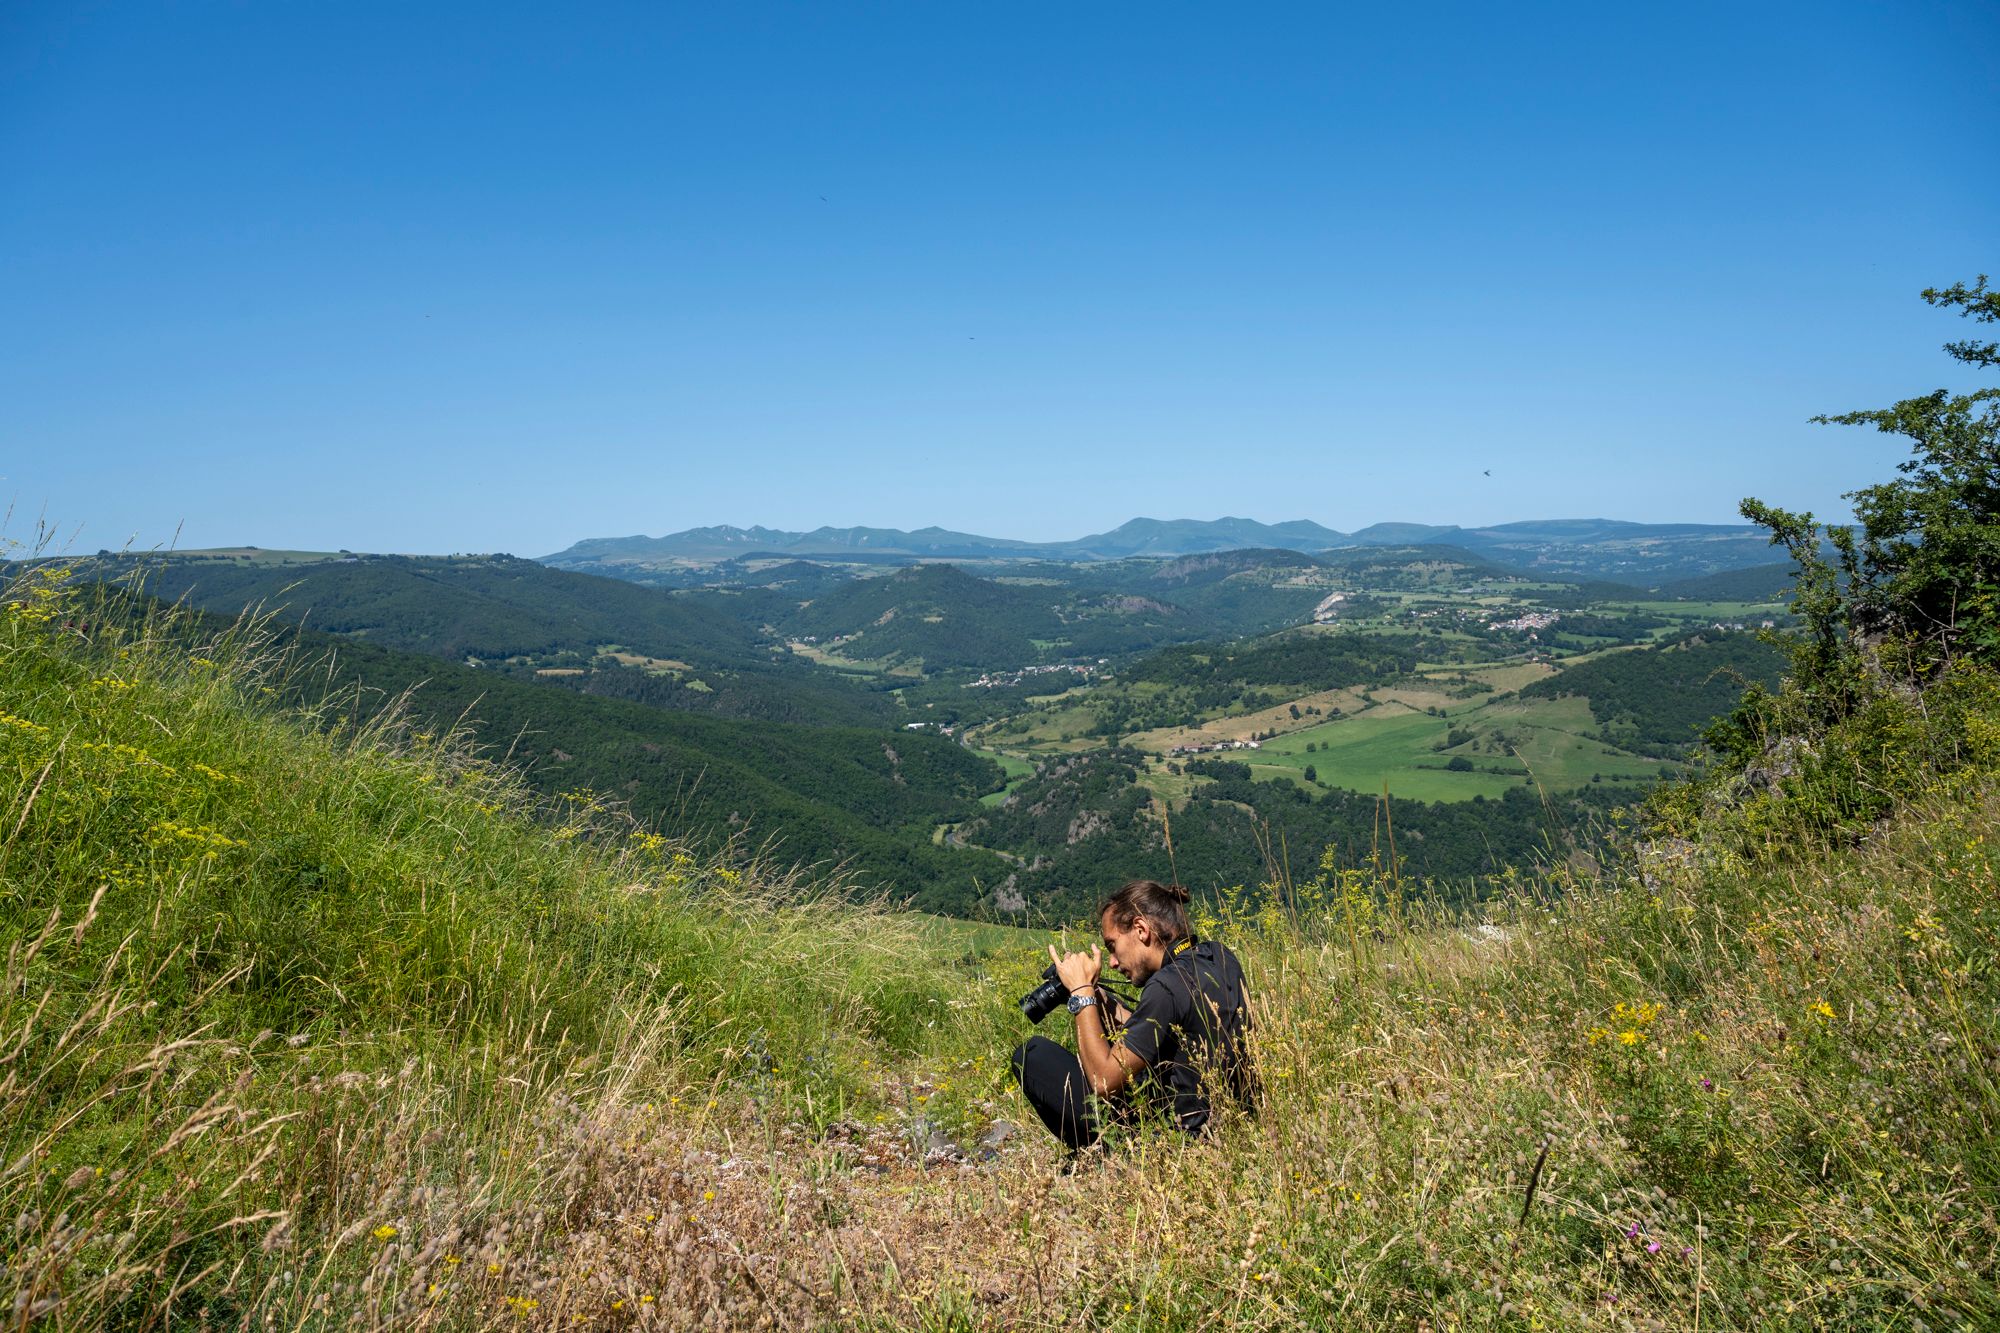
(1706, 1085)
(1632, 1232)
(1652, 1247)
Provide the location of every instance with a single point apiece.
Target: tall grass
(312, 1025)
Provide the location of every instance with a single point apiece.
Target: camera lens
(1044, 999)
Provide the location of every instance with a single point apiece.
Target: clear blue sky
(496, 277)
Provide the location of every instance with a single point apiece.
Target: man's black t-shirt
(1189, 1028)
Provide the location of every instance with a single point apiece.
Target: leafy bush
(1891, 683)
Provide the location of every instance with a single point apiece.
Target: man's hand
(1077, 971)
(1107, 1067)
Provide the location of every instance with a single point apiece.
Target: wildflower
(384, 1232)
(1652, 1247)
(1822, 1008)
(1707, 1086)
(708, 1196)
(1631, 1037)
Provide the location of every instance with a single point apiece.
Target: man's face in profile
(1133, 950)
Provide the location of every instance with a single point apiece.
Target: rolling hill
(1634, 553)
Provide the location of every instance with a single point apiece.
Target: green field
(1018, 771)
(1555, 739)
(1549, 739)
(1390, 745)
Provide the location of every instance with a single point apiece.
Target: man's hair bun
(1165, 905)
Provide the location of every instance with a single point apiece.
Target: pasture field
(654, 665)
(1237, 726)
(1555, 739)
(1018, 770)
(1504, 677)
(1546, 740)
(1390, 743)
(912, 669)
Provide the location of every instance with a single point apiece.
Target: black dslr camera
(1052, 995)
(1046, 998)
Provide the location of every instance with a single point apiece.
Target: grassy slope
(350, 1026)
(826, 794)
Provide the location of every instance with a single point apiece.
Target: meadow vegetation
(306, 1027)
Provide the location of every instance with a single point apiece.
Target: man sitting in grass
(1186, 1038)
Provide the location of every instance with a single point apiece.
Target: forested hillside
(942, 618)
(517, 617)
(486, 607)
(1658, 699)
(1082, 823)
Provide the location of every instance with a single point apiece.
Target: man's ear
(1144, 930)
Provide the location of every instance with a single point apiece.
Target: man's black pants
(1053, 1079)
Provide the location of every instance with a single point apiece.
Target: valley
(997, 737)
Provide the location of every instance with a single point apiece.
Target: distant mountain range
(1595, 547)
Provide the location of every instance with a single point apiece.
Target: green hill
(486, 607)
(944, 618)
(1658, 699)
(595, 635)
(864, 798)
(1759, 583)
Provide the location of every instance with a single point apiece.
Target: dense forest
(1085, 824)
(1306, 661)
(949, 619)
(1656, 700)
(863, 799)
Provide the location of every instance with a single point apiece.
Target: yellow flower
(708, 1196)
(385, 1232)
(1630, 1037)
(1822, 1008)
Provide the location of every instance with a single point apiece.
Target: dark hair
(1164, 905)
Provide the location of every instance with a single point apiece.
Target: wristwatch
(1079, 1003)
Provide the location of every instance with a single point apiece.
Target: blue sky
(498, 277)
